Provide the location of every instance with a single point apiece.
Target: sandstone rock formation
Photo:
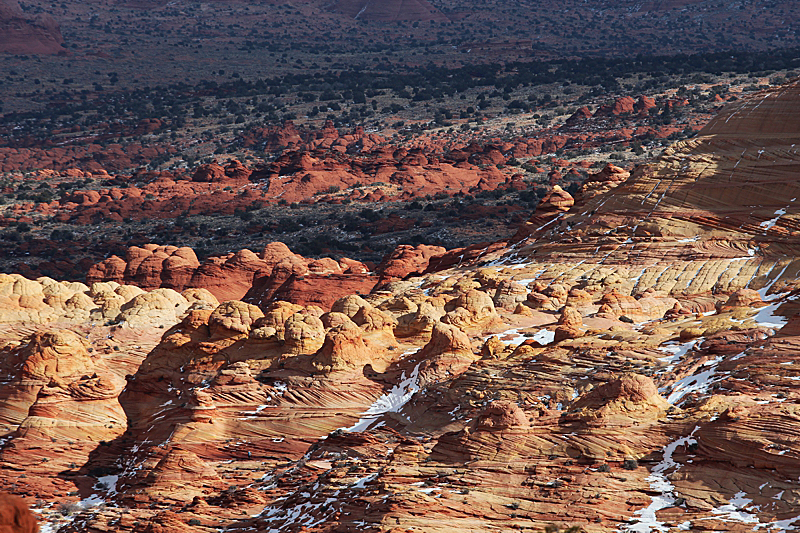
(502, 415)
(277, 273)
(441, 400)
(631, 396)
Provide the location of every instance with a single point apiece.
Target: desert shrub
(69, 508)
(630, 464)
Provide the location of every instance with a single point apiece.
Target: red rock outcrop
(23, 34)
(502, 415)
(233, 173)
(344, 349)
(570, 324)
(554, 204)
(277, 273)
(603, 181)
(625, 105)
(580, 115)
(620, 106)
(406, 259)
(15, 516)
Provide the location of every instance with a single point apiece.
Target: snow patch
(767, 224)
(696, 383)
(361, 483)
(735, 510)
(391, 402)
(677, 351)
(648, 521)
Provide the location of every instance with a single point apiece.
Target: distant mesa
(21, 33)
(390, 10)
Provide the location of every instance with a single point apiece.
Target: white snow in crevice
(105, 484)
(49, 527)
(677, 351)
(702, 380)
(751, 253)
(361, 483)
(108, 484)
(391, 402)
(303, 514)
(515, 337)
(778, 526)
(310, 514)
(735, 510)
(699, 382)
(766, 316)
(637, 278)
(669, 186)
(765, 275)
(509, 256)
(659, 483)
(650, 193)
(278, 390)
(764, 290)
(564, 275)
(526, 281)
(768, 224)
(293, 517)
(549, 222)
(543, 336)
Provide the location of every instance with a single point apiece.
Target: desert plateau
(399, 266)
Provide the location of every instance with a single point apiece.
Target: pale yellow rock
(304, 334)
